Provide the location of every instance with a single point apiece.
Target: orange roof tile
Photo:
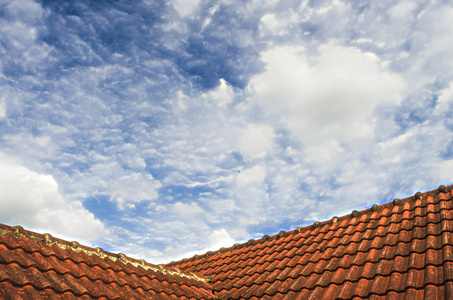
(35, 266)
(402, 248)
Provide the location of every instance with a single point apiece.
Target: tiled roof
(35, 266)
(402, 249)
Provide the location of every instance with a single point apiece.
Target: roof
(400, 249)
(36, 266)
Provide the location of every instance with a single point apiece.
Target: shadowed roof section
(36, 266)
(402, 249)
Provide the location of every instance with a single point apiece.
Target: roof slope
(35, 266)
(401, 249)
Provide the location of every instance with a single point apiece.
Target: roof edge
(19, 232)
(317, 224)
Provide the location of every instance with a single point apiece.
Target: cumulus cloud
(33, 201)
(220, 238)
(328, 97)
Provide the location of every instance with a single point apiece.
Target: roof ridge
(19, 232)
(315, 225)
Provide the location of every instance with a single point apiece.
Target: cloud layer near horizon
(165, 128)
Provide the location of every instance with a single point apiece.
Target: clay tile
(322, 249)
(299, 228)
(442, 189)
(355, 214)
(209, 253)
(316, 224)
(418, 195)
(250, 242)
(374, 208)
(236, 246)
(265, 237)
(18, 229)
(334, 220)
(222, 250)
(397, 201)
(281, 233)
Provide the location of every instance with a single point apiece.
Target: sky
(162, 129)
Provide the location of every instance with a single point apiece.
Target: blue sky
(168, 128)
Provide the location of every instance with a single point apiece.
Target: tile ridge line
(19, 232)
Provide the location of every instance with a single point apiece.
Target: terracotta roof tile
(400, 249)
(34, 266)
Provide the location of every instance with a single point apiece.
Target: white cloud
(222, 95)
(188, 211)
(278, 25)
(19, 30)
(185, 7)
(220, 238)
(134, 187)
(445, 101)
(328, 97)
(2, 107)
(32, 200)
(26, 10)
(256, 140)
(435, 58)
(250, 192)
(176, 178)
